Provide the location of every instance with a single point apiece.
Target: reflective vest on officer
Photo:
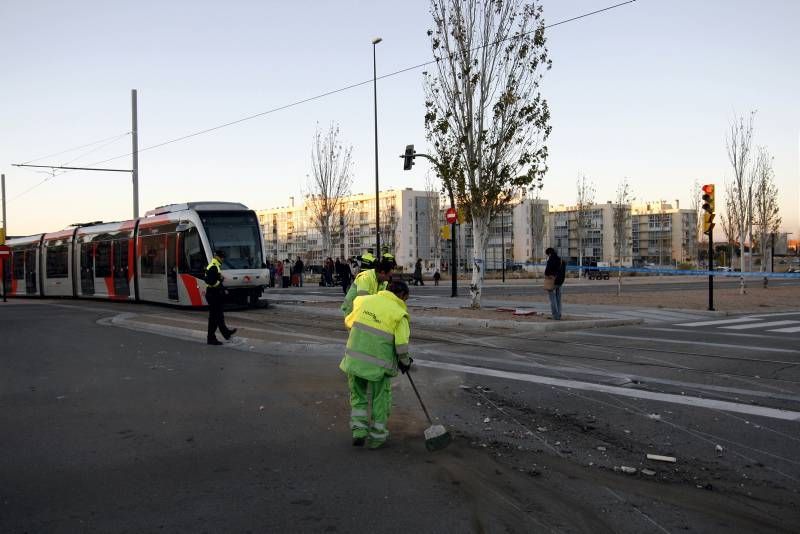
(379, 335)
(366, 283)
(214, 263)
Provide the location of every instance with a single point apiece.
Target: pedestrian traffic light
(444, 231)
(408, 158)
(708, 208)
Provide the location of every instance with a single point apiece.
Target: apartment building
(656, 232)
(409, 224)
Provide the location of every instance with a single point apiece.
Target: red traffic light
(708, 189)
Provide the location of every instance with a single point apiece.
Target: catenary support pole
(503, 243)
(5, 263)
(135, 153)
(377, 188)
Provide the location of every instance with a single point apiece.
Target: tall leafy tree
(484, 108)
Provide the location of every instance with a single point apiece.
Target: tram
(160, 257)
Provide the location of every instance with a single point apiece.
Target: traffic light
(444, 232)
(708, 208)
(408, 158)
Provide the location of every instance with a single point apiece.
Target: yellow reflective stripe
(379, 426)
(362, 293)
(358, 413)
(357, 424)
(373, 330)
(401, 349)
(367, 358)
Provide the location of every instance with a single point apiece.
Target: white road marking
(787, 330)
(758, 325)
(695, 402)
(720, 321)
(685, 342)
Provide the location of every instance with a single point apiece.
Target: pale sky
(646, 91)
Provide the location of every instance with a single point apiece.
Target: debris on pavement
(659, 458)
(654, 416)
(648, 472)
(720, 450)
(628, 470)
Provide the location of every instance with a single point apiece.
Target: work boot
(230, 333)
(359, 442)
(214, 341)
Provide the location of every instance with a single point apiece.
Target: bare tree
(389, 221)
(538, 217)
(329, 183)
(766, 215)
(583, 214)
(622, 226)
(697, 209)
(484, 107)
(729, 223)
(433, 195)
(738, 142)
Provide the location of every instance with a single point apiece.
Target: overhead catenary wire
(327, 93)
(73, 149)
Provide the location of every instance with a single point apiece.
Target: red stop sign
(450, 215)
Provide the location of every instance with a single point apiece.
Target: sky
(646, 91)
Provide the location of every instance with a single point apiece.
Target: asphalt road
(118, 418)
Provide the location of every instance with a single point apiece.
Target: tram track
(423, 334)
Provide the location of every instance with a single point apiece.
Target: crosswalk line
(720, 322)
(790, 330)
(759, 325)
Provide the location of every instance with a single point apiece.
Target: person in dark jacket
(418, 273)
(557, 268)
(215, 296)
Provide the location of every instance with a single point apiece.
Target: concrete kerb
(554, 326)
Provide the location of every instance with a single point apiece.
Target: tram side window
(102, 259)
(153, 249)
(19, 264)
(193, 257)
(57, 261)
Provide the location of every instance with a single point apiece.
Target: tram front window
(238, 235)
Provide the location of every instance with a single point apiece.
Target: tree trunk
(480, 231)
(742, 236)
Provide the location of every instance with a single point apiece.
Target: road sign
(5, 250)
(450, 215)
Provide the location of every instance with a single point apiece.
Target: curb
(555, 326)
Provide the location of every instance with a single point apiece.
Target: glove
(403, 367)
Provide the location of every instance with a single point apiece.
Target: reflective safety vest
(214, 263)
(379, 334)
(366, 283)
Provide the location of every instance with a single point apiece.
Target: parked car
(722, 268)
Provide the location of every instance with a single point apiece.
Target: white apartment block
(656, 232)
(409, 223)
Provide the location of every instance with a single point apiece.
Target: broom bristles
(436, 438)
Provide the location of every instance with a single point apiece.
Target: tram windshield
(237, 234)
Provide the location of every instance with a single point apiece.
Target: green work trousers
(370, 404)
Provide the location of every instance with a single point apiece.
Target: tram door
(87, 269)
(30, 271)
(121, 286)
(172, 267)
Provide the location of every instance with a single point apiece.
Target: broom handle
(424, 409)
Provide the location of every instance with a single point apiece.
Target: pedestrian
(215, 296)
(436, 277)
(370, 281)
(343, 270)
(554, 274)
(271, 267)
(376, 348)
(287, 272)
(298, 269)
(279, 272)
(418, 273)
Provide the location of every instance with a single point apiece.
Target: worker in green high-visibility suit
(376, 348)
(370, 281)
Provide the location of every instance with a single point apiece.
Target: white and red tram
(160, 257)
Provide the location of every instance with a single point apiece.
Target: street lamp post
(375, 41)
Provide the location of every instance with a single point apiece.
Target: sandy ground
(756, 299)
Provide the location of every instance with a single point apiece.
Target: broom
(436, 437)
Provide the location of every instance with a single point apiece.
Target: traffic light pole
(408, 162)
(711, 269)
